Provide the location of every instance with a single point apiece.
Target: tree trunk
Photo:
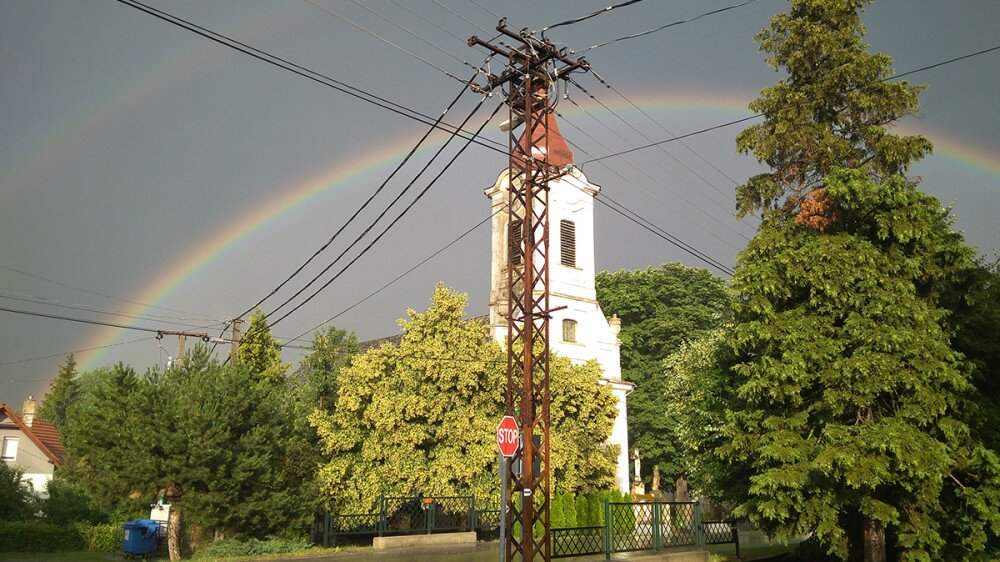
(172, 493)
(874, 537)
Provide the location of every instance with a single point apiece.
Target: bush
(252, 547)
(35, 536)
(101, 538)
(68, 503)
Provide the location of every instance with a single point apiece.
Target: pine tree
(62, 393)
(260, 352)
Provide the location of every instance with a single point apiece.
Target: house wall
(570, 198)
(37, 467)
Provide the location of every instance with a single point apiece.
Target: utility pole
(234, 350)
(533, 66)
(181, 339)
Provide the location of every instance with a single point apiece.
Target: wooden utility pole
(533, 65)
(181, 338)
(234, 350)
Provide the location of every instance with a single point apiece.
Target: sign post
(508, 441)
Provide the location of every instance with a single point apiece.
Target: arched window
(567, 243)
(569, 330)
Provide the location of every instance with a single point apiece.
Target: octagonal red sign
(508, 436)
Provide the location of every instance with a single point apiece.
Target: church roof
(559, 154)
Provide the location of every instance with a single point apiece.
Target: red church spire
(559, 154)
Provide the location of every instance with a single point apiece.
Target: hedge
(35, 536)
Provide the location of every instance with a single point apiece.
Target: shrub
(101, 538)
(252, 547)
(36, 536)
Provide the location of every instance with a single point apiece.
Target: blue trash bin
(139, 537)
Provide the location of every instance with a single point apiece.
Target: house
(32, 444)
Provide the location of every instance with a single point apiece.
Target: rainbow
(175, 276)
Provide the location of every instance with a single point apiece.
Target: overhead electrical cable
(313, 75)
(491, 12)
(591, 15)
(398, 277)
(393, 223)
(460, 16)
(635, 217)
(51, 302)
(389, 42)
(382, 214)
(662, 27)
(69, 353)
(664, 185)
(190, 315)
(683, 215)
(365, 204)
(748, 118)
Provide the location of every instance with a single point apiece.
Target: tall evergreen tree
(62, 392)
(848, 414)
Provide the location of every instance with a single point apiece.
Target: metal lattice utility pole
(533, 66)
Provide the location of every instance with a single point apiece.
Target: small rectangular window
(514, 239)
(9, 448)
(569, 331)
(567, 243)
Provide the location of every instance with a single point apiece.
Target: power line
(56, 303)
(459, 16)
(68, 353)
(662, 27)
(398, 277)
(313, 75)
(92, 292)
(388, 42)
(393, 223)
(729, 123)
(692, 203)
(382, 214)
(83, 321)
(588, 16)
(365, 204)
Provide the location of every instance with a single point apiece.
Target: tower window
(514, 238)
(569, 331)
(567, 243)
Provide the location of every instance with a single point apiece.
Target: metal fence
(413, 515)
(625, 527)
(636, 526)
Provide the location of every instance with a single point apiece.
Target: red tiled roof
(42, 433)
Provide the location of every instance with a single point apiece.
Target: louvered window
(569, 331)
(514, 237)
(567, 243)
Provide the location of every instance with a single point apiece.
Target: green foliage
(16, 497)
(252, 547)
(660, 310)
(100, 538)
(224, 453)
(582, 511)
(36, 536)
(63, 391)
(557, 517)
(831, 109)
(849, 396)
(260, 352)
(421, 418)
(568, 502)
(68, 502)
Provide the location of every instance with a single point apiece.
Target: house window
(569, 331)
(9, 448)
(567, 243)
(514, 239)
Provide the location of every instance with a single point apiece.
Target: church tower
(579, 330)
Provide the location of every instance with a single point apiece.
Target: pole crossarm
(533, 65)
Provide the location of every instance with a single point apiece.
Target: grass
(727, 552)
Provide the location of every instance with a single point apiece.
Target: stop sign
(508, 436)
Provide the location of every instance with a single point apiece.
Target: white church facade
(578, 328)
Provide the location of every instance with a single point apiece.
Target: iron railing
(625, 526)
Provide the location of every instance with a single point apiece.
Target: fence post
(736, 538)
(430, 517)
(699, 533)
(327, 524)
(383, 517)
(472, 513)
(657, 527)
(608, 539)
